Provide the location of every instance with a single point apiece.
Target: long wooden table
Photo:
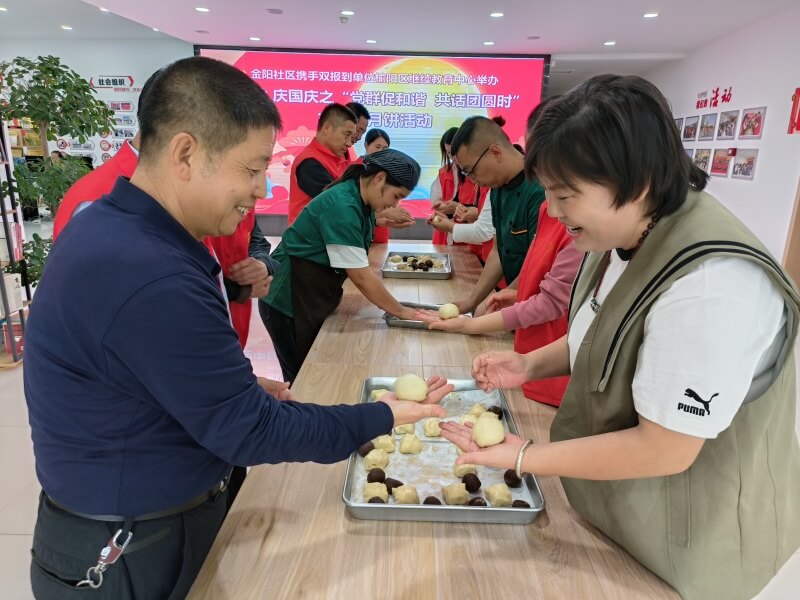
(288, 535)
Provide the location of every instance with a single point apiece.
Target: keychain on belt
(108, 556)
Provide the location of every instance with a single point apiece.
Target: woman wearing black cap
(327, 244)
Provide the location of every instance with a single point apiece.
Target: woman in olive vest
(327, 244)
(676, 434)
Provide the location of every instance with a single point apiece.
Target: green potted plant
(35, 253)
(47, 181)
(54, 97)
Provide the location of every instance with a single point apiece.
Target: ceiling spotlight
(534, 37)
(347, 13)
(275, 11)
(610, 43)
(103, 9)
(156, 29)
(255, 39)
(652, 15)
(488, 43)
(66, 28)
(372, 41)
(202, 9)
(497, 15)
(3, 9)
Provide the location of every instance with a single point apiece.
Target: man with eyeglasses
(485, 155)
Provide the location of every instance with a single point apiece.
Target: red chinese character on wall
(715, 98)
(727, 94)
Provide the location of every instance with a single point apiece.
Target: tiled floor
(20, 488)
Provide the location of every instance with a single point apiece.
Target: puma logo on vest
(706, 410)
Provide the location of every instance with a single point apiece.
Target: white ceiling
(573, 31)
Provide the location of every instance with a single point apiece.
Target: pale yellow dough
(375, 490)
(477, 410)
(432, 428)
(498, 495)
(405, 494)
(411, 388)
(384, 442)
(461, 470)
(455, 493)
(378, 393)
(410, 444)
(401, 429)
(376, 459)
(488, 432)
(448, 311)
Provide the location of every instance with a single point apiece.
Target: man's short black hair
(145, 90)
(336, 114)
(359, 110)
(211, 100)
(478, 129)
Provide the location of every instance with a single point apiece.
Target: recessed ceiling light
(103, 9)
(488, 43)
(534, 37)
(610, 43)
(372, 41)
(652, 15)
(497, 15)
(156, 29)
(3, 9)
(202, 9)
(275, 11)
(66, 28)
(203, 31)
(255, 39)
(347, 13)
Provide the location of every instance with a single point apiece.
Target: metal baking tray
(393, 321)
(389, 270)
(436, 463)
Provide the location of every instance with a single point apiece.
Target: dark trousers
(160, 563)
(281, 331)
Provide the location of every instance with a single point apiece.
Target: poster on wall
(752, 123)
(708, 123)
(702, 157)
(690, 128)
(679, 124)
(727, 124)
(689, 152)
(720, 163)
(414, 98)
(744, 164)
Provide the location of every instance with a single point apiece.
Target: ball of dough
(437, 219)
(378, 393)
(448, 311)
(488, 432)
(469, 419)
(405, 494)
(488, 415)
(402, 429)
(384, 442)
(437, 264)
(461, 470)
(410, 444)
(395, 258)
(477, 410)
(499, 494)
(455, 493)
(411, 388)
(432, 428)
(375, 490)
(376, 458)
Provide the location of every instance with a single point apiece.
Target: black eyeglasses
(469, 174)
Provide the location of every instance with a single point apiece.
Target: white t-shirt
(481, 230)
(347, 257)
(705, 339)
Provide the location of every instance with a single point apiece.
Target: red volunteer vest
(334, 164)
(467, 192)
(551, 238)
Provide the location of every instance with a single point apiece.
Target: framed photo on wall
(752, 123)
(720, 163)
(679, 124)
(708, 124)
(689, 152)
(744, 164)
(728, 120)
(702, 157)
(690, 128)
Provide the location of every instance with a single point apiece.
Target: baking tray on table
(432, 469)
(389, 269)
(393, 321)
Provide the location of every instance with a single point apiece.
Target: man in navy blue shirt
(140, 398)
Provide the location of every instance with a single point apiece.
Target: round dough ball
(488, 432)
(499, 494)
(437, 264)
(488, 415)
(395, 259)
(477, 410)
(437, 219)
(378, 393)
(410, 444)
(455, 493)
(405, 494)
(432, 428)
(384, 442)
(403, 429)
(376, 458)
(411, 388)
(469, 419)
(448, 311)
(375, 490)
(461, 470)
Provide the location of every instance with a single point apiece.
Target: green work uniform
(515, 215)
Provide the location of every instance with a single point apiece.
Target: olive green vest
(722, 528)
